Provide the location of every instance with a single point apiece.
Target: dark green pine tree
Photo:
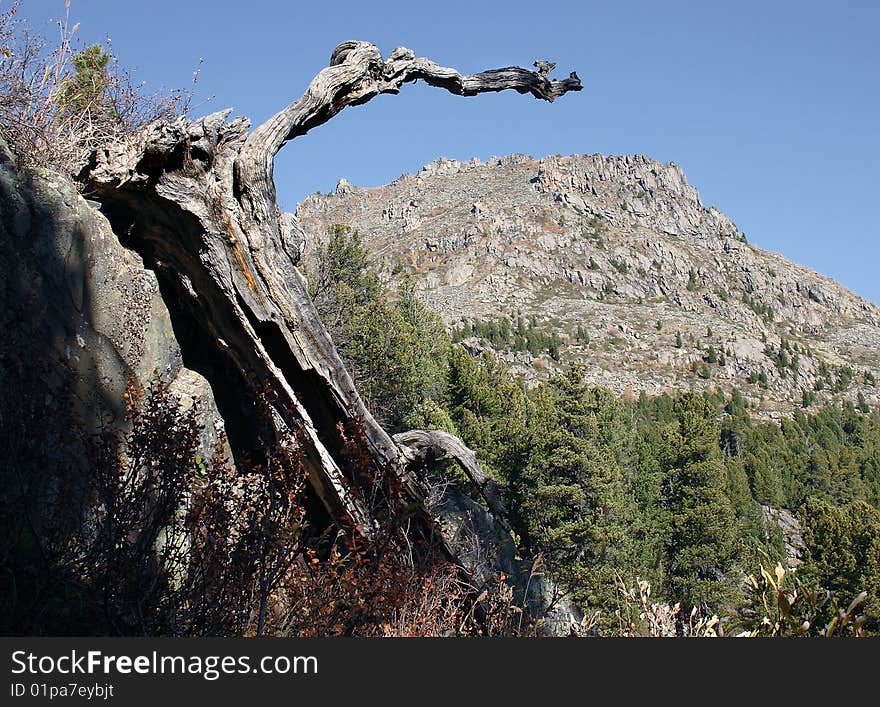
(701, 547)
(394, 347)
(84, 91)
(577, 509)
(490, 410)
(843, 554)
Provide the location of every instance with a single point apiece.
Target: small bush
(619, 265)
(60, 100)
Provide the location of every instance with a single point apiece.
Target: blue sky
(771, 108)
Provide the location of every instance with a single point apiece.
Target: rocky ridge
(619, 257)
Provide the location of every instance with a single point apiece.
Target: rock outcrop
(81, 317)
(790, 528)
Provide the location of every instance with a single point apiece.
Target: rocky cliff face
(80, 317)
(618, 256)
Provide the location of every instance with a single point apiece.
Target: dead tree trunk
(437, 445)
(197, 200)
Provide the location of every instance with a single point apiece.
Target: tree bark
(436, 445)
(197, 200)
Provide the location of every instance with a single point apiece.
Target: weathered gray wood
(198, 200)
(435, 445)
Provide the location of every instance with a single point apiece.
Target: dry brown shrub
(53, 113)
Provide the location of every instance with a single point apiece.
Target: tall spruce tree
(701, 548)
(578, 509)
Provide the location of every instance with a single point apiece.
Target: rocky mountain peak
(618, 258)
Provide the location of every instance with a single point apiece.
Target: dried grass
(51, 114)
